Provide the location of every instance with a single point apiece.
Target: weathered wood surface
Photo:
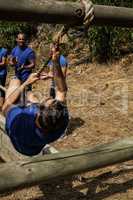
(44, 168)
(59, 12)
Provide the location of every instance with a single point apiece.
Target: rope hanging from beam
(88, 12)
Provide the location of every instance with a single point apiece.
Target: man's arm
(64, 71)
(59, 78)
(31, 60)
(3, 62)
(12, 97)
(31, 65)
(10, 100)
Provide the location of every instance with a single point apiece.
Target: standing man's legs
(13, 85)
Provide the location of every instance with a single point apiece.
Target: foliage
(9, 30)
(110, 42)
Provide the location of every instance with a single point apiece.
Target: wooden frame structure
(62, 12)
(21, 170)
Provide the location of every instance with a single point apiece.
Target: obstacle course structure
(61, 12)
(32, 171)
(25, 171)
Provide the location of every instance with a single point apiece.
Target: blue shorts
(28, 87)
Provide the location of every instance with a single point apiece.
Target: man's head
(53, 116)
(21, 39)
(54, 47)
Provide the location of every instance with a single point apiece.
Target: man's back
(26, 137)
(21, 128)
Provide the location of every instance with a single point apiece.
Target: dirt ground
(100, 100)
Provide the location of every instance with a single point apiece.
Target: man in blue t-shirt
(64, 65)
(22, 59)
(33, 126)
(3, 73)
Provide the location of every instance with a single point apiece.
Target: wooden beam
(114, 16)
(62, 12)
(49, 11)
(44, 168)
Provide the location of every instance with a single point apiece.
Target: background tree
(107, 43)
(9, 30)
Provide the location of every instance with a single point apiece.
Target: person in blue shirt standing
(64, 65)
(3, 73)
(35, 125)
(23, 59)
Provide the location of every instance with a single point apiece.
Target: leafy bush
(107, 43)
(9, 31)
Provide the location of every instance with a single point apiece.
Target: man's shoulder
(29, 49)
(62, 57)
(4, 51)
(14, 49)
(30, 53)
(18, 111)
(63, 60)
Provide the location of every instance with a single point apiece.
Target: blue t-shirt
(3, 69)
(25, 136)
(23, 56)
(63, 62)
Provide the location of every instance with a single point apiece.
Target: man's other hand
(32, 79)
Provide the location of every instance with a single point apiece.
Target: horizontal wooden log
(49, 11)
(44, 168)
(114, 16)
(59, 12)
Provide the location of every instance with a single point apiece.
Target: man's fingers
(44, 77)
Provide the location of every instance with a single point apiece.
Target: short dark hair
(53, 117)
(21, 33)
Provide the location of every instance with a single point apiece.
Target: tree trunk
(44, 168)
(59, 12)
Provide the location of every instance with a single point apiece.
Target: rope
(56, 41)
(89, 12)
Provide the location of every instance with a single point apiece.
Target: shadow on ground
(81, 61)
(63, 190)
(74, 124)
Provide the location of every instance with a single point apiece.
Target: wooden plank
(48, 11)
(44, 168)
(63, 12)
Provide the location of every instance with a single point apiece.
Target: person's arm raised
(10, 100)
(61, 87)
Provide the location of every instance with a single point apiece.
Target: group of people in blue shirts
(34, 125)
